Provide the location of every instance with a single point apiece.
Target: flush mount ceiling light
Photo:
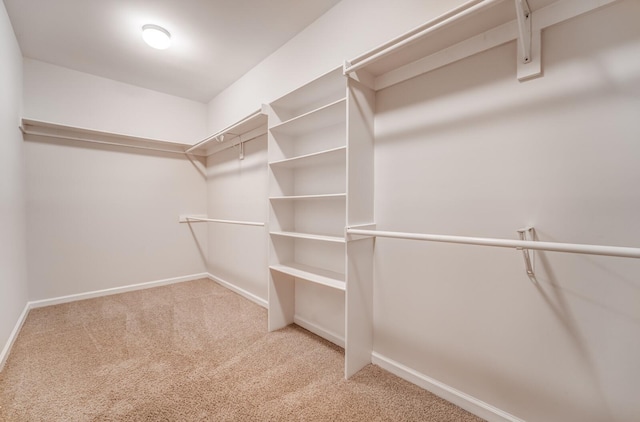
(156, 36)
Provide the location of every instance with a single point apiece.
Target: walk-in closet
(346, 210)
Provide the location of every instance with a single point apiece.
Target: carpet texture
(192, 351)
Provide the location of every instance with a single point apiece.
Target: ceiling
(214, 42)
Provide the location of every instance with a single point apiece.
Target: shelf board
(334, 155)
(452, 37)
(323, 238)
(306, 197)
(312, 274)
(37, 130)
(325, 116)
(444, 37)
(318, 88)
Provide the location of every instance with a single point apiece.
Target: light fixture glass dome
(156, 36)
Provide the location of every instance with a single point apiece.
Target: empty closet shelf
(328, 115)
(330, 156)
(324, 238)
(305, 197)
(312, 274)
(195, 219)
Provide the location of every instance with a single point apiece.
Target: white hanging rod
(225, 130)
(446, 19)
(618, 251)
(214, 220)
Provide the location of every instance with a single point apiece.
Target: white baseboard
(242, 292)
(114, 291)
(13, 336)
(465, 401)
(319, 331)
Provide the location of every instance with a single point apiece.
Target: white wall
(13, 264)
(237, 190)
(103, 217)
(345, 31)
(467, 150)
(60, 95)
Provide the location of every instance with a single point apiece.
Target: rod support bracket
(527, 234)
(523, 13)
(529, 43)
(345, 67)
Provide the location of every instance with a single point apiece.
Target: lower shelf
(312, 274)
(308, 236)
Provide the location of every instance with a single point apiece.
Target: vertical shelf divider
(360, 211)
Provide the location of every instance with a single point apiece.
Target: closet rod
(439, 22)
(618, 251)
(225, 130)
(213, 220)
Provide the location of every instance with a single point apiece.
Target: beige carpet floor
(192, 351)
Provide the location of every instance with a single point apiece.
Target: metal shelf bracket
(529, 60)
(527, 234)
(524, 29)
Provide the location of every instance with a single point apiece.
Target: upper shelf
(323, 90)
(310, 236)
(473, 27)
(308, 197)
(314, 120)
(436, 34)
(330, 156)
(249, 128)
(37, 130)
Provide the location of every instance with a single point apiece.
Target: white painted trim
(463, 400)
(319, 331)
(13, 336)
(242, 292)
(113, 291)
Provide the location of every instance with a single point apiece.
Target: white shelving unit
(320, 181)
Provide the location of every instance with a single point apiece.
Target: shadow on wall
(231, 165)
(201, 252)
(529, 101)
(556, 301)
(593, 266)
(199, 163)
